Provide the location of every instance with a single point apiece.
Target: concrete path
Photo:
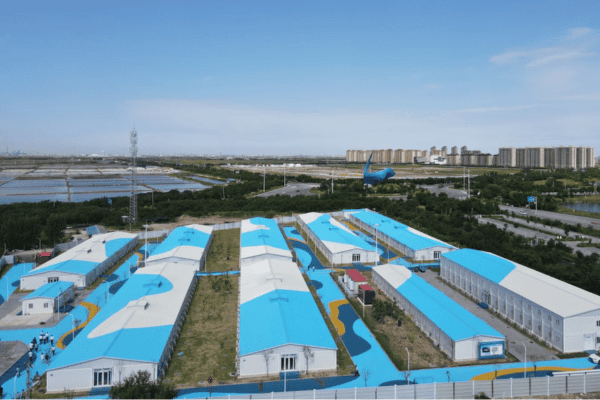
(565, 218)
(292, 189)
(11, 353)
(529, 233)
(514, 338)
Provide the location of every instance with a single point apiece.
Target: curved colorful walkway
(67, 337)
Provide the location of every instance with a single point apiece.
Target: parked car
(485, 349)
(595, 358)
(522, 213)
(421, 268)
(483, 305)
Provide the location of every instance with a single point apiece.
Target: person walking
(30, 346)
(41, 338)
(42, 357)
(35, 347)
(46, 337)
(53, 349)
(34, 340)
(30, 356)
(18, 372)
(52, 340)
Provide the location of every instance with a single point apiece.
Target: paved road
(514, 338)
(565, 218)
(292, 189)
(529, 233)
(451, 192)
(558, 231)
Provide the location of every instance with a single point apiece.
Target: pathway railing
(584, 382)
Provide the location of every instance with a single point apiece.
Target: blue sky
(262, 77)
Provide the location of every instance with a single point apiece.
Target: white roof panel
(265, 276)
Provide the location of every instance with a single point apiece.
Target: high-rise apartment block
(527, 157)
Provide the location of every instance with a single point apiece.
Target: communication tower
(133, 212)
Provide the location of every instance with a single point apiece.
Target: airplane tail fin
(368, 163)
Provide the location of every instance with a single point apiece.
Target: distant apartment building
(528, 157)
(507, 157)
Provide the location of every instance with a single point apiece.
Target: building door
(487, 297)
(588, 341)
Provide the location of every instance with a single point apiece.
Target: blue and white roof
(336, 236)
(276, 308)
(185, 242)
(137, 321)
(262, 236)
(49, 290)
(554, 295)
(404, 234)
(83, 258)
(449, 316)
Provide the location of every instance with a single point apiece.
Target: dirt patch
(187, 220)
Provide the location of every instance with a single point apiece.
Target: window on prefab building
(355, 257)
(45, 305)
(102, 377)
(30, 305)
(53, 279)
(436, 255)
(288, 362)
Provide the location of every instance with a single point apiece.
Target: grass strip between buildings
(207, 343)
(224, 253)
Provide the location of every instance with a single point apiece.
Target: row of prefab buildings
(280, 327)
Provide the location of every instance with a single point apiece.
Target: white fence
(523, 387)
(153, 234)
(69, 245)
(230, 225)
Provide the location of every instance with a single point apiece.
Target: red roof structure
(356, 276)
(45, 254)
(366, 288)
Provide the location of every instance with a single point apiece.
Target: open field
(224, 251)
(208, 336)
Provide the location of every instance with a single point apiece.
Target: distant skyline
(314, 78)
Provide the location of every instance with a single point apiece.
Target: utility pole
(264, 177)
(469, 184)
(331, 181)
(28, 380)
(283, 174)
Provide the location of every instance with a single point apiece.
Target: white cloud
(557, 57)
(508, 57)
(574, 44)
(496, 109)
(576, 33)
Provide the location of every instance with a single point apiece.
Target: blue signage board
(109, 200)
(531, 199)
(491, 350)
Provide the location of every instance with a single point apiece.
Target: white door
(588, 342)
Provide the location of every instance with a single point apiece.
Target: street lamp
(525, 362)
(40, 243)
(408, 374)
(376, 226)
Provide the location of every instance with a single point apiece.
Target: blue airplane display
(373, 178)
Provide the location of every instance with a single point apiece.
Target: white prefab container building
(336, 241)
(280, 326)
(187, 244)
(261, 239)
(412, 243)
(564, 316)
(83, 263)
(48, 298)
(135, 331)
(458, 333)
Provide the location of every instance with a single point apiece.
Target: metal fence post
(473, 382)
(548, 384)
(395, 397)
(314, 394)
(354, 392)
(434, 391)
(511, 396)
(584, 375)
